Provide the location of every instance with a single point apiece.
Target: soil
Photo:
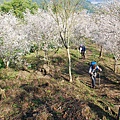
(36, 96)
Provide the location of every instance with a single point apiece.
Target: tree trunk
(115, 65)
(7, 64)
(45, 55)
(69, 63)
(101, 50)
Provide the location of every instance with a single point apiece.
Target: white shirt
(91, 70)
(80, 49)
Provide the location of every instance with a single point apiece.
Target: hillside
(30, 94)
(86, 4)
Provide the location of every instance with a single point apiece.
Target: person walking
(82, 50)
(93, 72)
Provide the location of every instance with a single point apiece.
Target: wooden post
(118, 116)
(99, 78)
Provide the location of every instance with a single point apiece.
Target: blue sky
(98, 1)
(101, 1)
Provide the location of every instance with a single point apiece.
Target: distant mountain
(37, 1)
(86, 4)
(2, 1)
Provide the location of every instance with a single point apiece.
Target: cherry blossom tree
(12, 38)
(106, 31)
(17, 37)
(82, 23)
(102, 26)
(42, 30)
(63, 12)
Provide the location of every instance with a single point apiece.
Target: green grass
(8, 73)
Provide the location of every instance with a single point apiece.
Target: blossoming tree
(106, 31)
(12, 42)
(63, 12)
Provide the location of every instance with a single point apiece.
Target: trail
(107, 88)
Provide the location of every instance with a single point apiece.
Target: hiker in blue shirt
(93, 72)
(82, 50)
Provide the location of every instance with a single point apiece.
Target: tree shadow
(54, 102)
(110, 71)
(81, 68)
(106, 78)
(100, 112)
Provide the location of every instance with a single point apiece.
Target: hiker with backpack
(82, 50)
(93, 72)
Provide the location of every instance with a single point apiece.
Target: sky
(98, 1)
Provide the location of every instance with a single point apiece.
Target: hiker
(82, 50)
(93, 72)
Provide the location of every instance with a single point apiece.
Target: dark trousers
(83, 54)
(93, 79)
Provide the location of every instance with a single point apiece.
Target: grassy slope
(31, 95)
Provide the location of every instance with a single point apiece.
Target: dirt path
(106, 88)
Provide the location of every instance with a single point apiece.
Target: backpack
(83, 48)
(93, 63)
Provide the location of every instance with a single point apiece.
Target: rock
(86, 112)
